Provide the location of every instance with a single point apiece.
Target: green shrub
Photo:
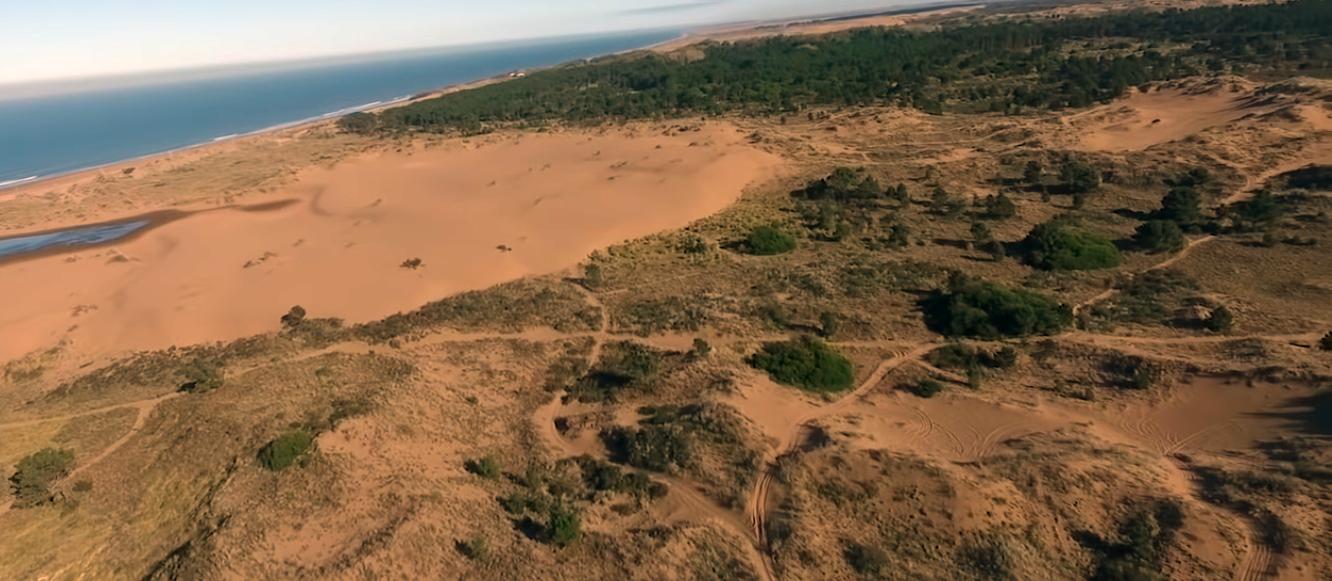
(624, 365)
(1220, 321)
(201, 375)
(563, 526)
(475, 548)
(1079, 177)
(486, 467)
(1181, 205)
(866, 559)
(1159, 236)
(999, 207)
(1060, 245)
(35, 473)
(806, 363)
(606, 477)
(843, 185)
(956, 356)
(660, 448)
(286, 449)
(972, 308)
(926, 388)
(770, 240)
(360, 123)
(294, 317)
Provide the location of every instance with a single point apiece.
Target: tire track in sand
(759, 497)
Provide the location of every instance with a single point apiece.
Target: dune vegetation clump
(807, 363)
(1159, 236)
(286, 449)
(974, 308)
(769, 240)
(35, 473)
(1062, 245)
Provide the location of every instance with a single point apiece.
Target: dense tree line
(1000, 66)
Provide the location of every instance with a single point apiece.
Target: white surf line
(12, 183)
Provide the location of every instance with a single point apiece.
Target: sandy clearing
(548, 199)
(739, 32)
(1142, 120)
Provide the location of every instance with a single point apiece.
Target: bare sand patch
(475, 212)
(1145, 119)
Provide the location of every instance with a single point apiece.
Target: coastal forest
(998, 65)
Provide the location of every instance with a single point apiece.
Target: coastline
(13, 188)
(721, 32)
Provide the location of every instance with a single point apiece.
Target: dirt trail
(1258, 561)
(758, 498)
(1167, 263)
(145, 410)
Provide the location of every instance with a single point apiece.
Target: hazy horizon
(106, 40)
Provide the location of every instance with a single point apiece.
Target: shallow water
(80, 236)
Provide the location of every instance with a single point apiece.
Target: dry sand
(476, 212)
(749, 31)
(1143, 120)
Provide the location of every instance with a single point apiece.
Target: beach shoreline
(720, 32)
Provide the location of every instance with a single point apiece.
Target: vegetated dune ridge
(476, 212)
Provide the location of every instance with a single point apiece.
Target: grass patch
(286, 449)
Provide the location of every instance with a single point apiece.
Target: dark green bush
(843, 185)
(623, 366)
(1061, 245)
(770, 240)
(999, 207)
(1220, 321)
(486, 467)
(973, 308)
(866, 559)
(1181, 205)
(926, 388)
(359, 123)
(286, 449)
(1079, 177)
(807, 363)
(1159, 236)
(35, 473)
(660, 448)
(563, 526)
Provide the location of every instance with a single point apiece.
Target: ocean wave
(226, 137)
(18, 181)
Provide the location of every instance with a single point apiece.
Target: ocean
(59, 133)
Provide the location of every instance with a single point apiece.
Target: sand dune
(476, 214)
(1143, 120)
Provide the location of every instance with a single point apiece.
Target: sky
(66, 39)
